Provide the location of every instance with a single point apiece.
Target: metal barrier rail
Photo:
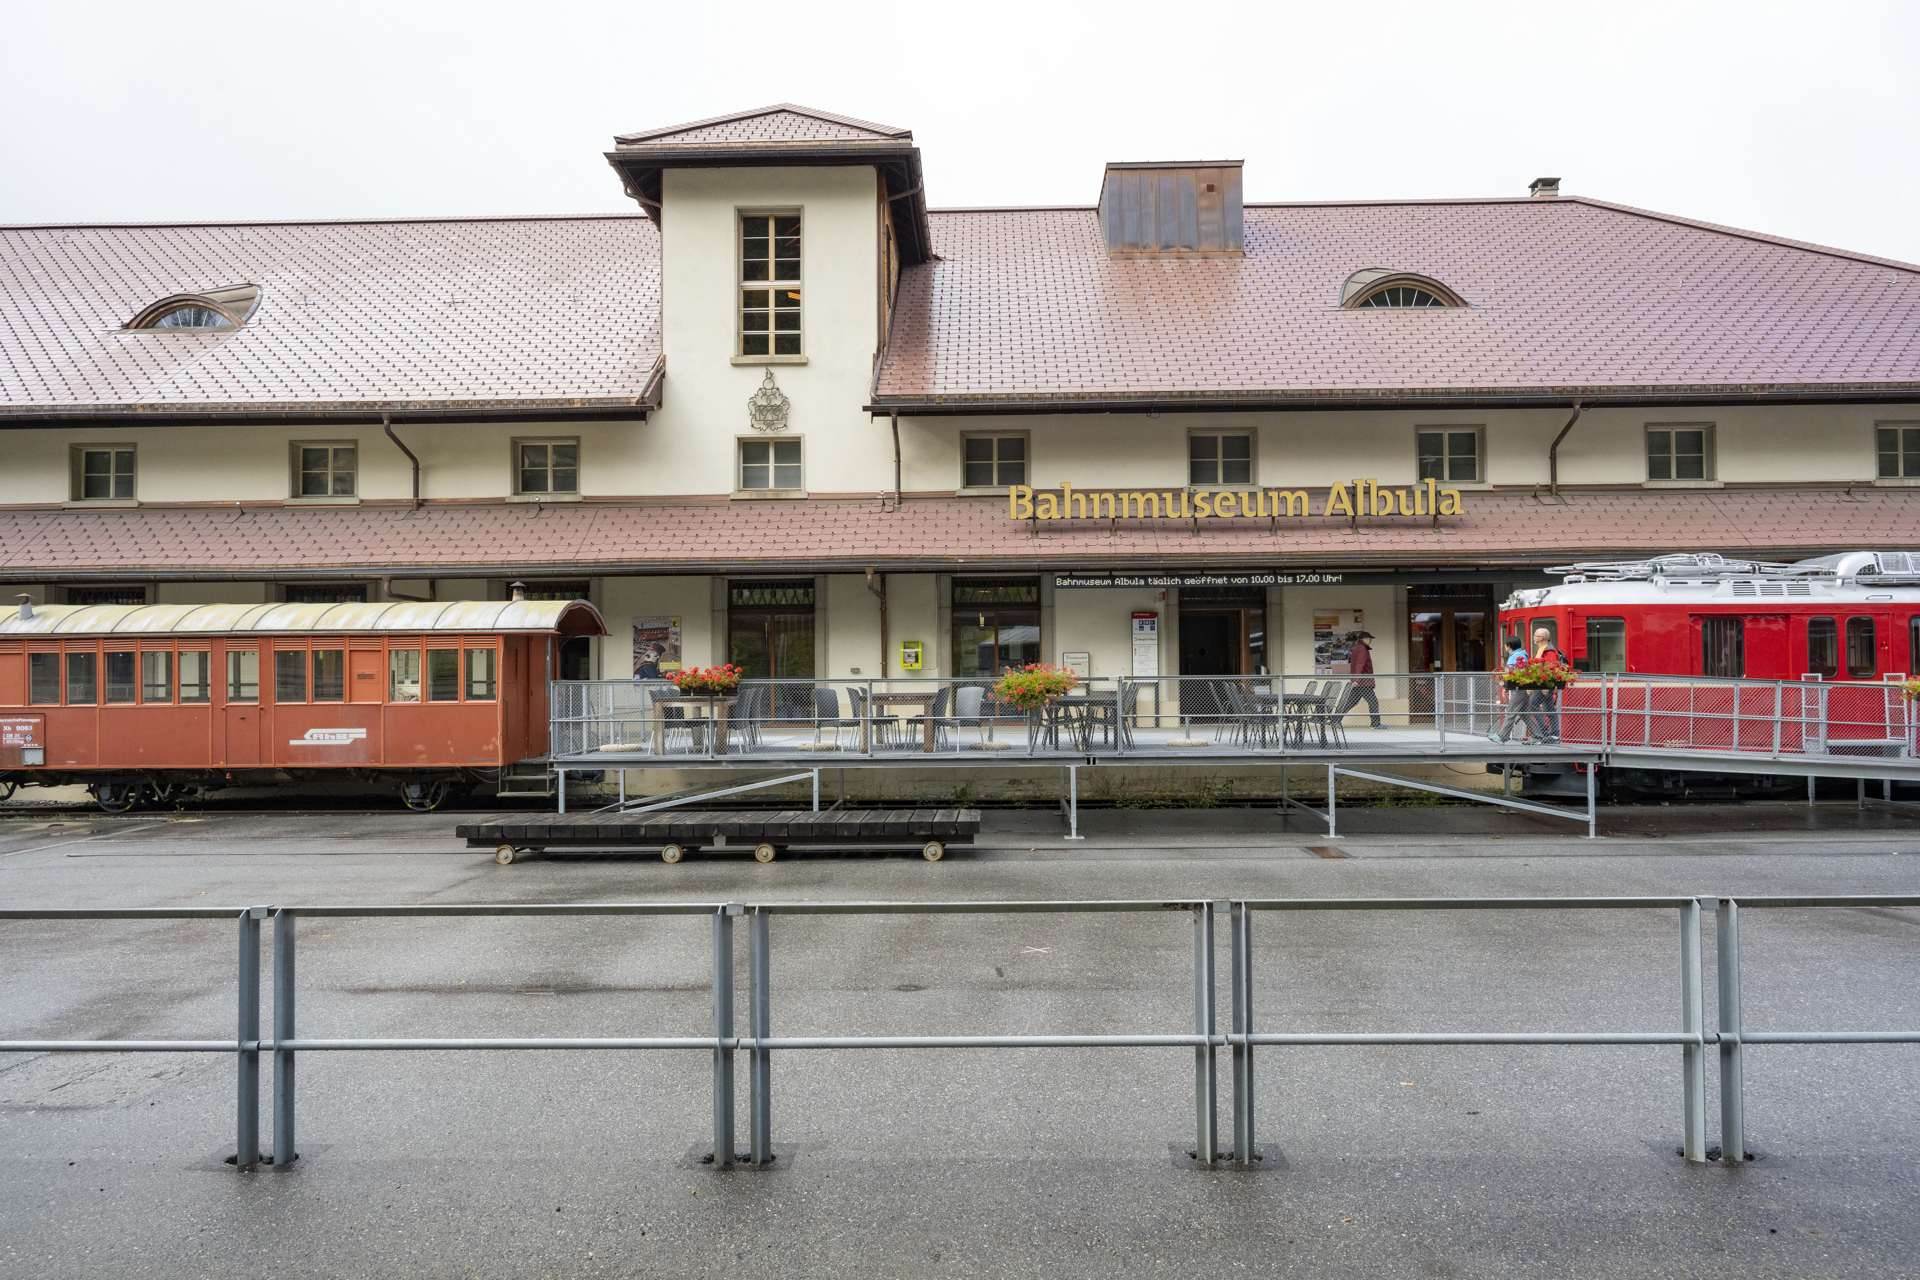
(1730, 1036)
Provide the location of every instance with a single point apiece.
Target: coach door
(242, 709)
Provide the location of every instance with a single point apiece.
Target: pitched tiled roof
(782, 122)
(1564, 295)
(1501, 527)
(518, 313)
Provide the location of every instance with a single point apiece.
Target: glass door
(1448, 629)
(770, 637)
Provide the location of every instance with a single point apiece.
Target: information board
(1146, 645)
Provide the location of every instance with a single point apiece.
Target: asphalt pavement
(1467, 1162)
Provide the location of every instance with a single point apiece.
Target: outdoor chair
(880, 727)
(917, 725)
(752, 709)
(826, 714)
(1328, 718)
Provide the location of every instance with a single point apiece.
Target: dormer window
(1377, 288)
(208, 312)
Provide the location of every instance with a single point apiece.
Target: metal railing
(1243, 1038)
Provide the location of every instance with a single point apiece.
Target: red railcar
(1835, 632)
(139, 701)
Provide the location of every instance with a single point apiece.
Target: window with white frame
(1219, 459)
(769, 284)
(546, 466)
(988, 462)
(103, 473)
(769, 464)
(1450, 455)
(1898, 446)
(1680, 451)
(325, 469)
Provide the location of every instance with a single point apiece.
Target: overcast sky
(1796, 119)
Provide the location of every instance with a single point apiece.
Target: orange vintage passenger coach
(154, 701)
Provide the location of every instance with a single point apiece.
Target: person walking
(1360, 667)
(1546, 702)
(1518, 700)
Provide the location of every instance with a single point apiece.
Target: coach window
(120, 676)
(329, 675)
(403, 675)
(43, 679)
(1860, 647)
(243, 675)
(290, 675)
(480, 675)
(1823, 648)
(443, 675)
(1606, 645)
(196, 675)
(83, 671)
(156, 675)
(1723, 647)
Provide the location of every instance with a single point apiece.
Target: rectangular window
(546, 466)
(1680, 452)
(121, 684)
(1449, 455)
(563, 589)
(1861, 660)
(290, 675)
(988, 462)
(325, 593)
(1606, 645)
(403, 675)
(82, 676)
(770, 284)
(325, 470)
(105, 595)
(196, 675)
(1723, 647)
(243, 675)
(1898, 446)
(996, 625)
(1219, 459)
(770, 464)
(480, 674)
(1823, 648)
(102, 473)
(443, 675)
(329, 675)
(43, 679)
(156, 676)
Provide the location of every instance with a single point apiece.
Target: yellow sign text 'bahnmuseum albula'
(1351, 500)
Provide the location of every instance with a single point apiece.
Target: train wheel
(115, 797)
(764, 852)
(671, 853)
(933, 851)
(424, 797)
(7, 789)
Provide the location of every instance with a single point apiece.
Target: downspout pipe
(386, 424)
(1553, 452)
(877, 583)
(894, 418)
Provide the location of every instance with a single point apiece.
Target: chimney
(1544, 188)
(517, 591)
(26, 605)
(1172, 209)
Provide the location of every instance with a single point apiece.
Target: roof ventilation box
(1175, 209)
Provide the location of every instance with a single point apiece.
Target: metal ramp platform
(673, 833)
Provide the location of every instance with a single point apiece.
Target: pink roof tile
(782, 122)
(1563, 295)
(1500, 527)
(517, 312)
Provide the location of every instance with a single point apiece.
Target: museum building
(784, 413)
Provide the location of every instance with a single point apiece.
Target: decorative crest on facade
(767, 408)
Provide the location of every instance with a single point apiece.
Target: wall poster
(656, 647)
(1333, 632)
(1146, 645)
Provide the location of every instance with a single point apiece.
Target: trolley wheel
(764, 852)
(424, 797)
(671, 853)
(505, 854)
(115, 797)
(933, 850)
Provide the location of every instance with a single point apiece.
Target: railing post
(284, 1150)
(1779, 707)
(1206, 1122)
(1693, 1054)
(1241, 922)
(760, 1026)
(247, 1033)
(1333, 802)
(1733, 1137)
(1439, 706)
(723, 1035)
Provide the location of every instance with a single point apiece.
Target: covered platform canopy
(564, 617)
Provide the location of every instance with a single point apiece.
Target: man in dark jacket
(1360, 666)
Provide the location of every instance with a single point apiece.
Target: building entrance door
(770, 637)
(1448, 629)
(1222, 634)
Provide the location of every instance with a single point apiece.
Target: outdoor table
(923, 701)
(717, 710)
